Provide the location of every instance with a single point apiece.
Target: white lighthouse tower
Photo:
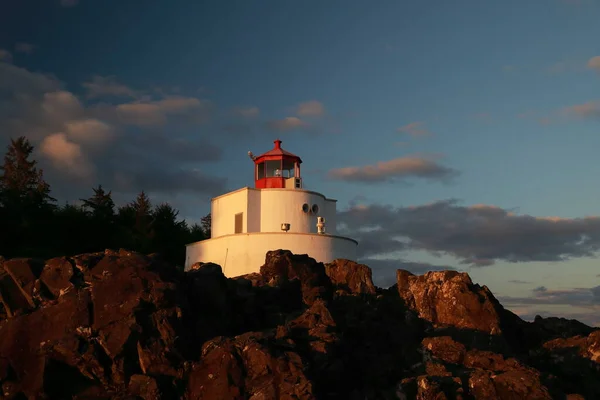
(277, 213)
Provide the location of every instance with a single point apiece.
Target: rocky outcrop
(449, 298)
(351, 277)
(122, 325)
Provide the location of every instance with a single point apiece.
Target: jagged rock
(352, 277)
(586, 346)
(244, 367)
(122, 325)
(56, 276)
(449, 298)
(281, 266)
(445, 349)
(144, 387)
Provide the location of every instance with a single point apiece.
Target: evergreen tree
(21, 183)
(206, 223)
(196, 234)
(100, 205)
(25, 202)
(168, 233)
(142, 228)
(101, 211)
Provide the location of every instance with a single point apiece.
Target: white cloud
(594, 63)
(108, 86)
(62, 105)
(415, 129)
(89, 131)
(590, 109)
(393, 170)
(66, 155)
(148, 113)
(311, 108)
(247, 112)
(287, 124)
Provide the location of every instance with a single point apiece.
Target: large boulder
(282, 267)
(122, 325)
(449, 298)
(248, 366)
(350, 276)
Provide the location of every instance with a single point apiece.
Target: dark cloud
(580, 297)
(477, 235)
(26, 48)
(519, 282)
(101, 86)
(81, 145)
(395, 170)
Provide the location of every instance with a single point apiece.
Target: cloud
(246, 112)
(580, 297)
(311, 108)
(66, 155)
(5, 55)
(22, 47)
(476, 235)
(594, 63)
(586, 110)
(69, 3)
(101, 86)
(394, 170)
(519, 282)
(287, 124)
(415, 129)
(90, 131)
(80, 145)
(152, 113)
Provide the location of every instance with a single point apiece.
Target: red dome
(277, 168)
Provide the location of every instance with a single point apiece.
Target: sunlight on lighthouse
(277, 213)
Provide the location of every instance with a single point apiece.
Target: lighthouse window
(288, 169)
(260, 170)
(272, 167)
(239, 222)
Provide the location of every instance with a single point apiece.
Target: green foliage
(32, 226)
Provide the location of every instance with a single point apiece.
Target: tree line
(33, 224)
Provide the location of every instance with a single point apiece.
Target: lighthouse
(277, 213)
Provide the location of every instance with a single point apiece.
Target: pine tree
(206, 223)
(101, 204)
(21, 183)
(142, 228)
(25, 203)
(168, 233)
(100, 208)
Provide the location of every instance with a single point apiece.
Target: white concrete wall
(254, 210)
(223, 210)
(266, 209)
(330, 216)
(245, 253)
(284, 205)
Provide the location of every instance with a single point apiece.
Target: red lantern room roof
(278, 152)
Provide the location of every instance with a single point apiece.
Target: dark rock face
(122, 325)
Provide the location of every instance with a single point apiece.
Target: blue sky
(491, 103)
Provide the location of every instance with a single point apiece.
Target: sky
(455, 134)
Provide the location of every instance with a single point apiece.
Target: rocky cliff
(121, 325)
